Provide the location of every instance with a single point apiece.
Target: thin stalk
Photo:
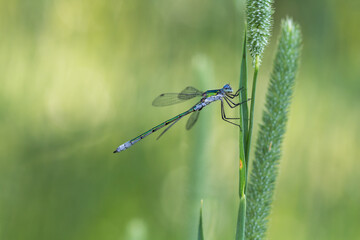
(252, 107)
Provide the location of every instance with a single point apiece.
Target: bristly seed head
(259, 24)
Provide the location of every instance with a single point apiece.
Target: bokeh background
(77, 79)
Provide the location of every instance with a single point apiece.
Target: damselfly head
(227, 88)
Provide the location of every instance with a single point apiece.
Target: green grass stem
(252, 107)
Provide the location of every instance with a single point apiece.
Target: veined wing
(190, 123)
(189, 92)
(167, 128)
(167, 99)
(192, 120)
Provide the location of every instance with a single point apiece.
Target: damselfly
(207, 97)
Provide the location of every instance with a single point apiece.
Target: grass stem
(252, 107)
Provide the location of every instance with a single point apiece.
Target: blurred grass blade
(268, 148)
(199, 159)
(200, 232)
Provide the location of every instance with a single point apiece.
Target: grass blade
(240, 226)
(244, 112)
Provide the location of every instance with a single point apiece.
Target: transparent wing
(167, 128)
(192, 120)
(189, 92)
(167, 99)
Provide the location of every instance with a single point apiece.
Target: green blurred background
(78, 78)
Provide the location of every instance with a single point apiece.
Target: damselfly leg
(236, 94)
(223, 115)
(232, 105)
